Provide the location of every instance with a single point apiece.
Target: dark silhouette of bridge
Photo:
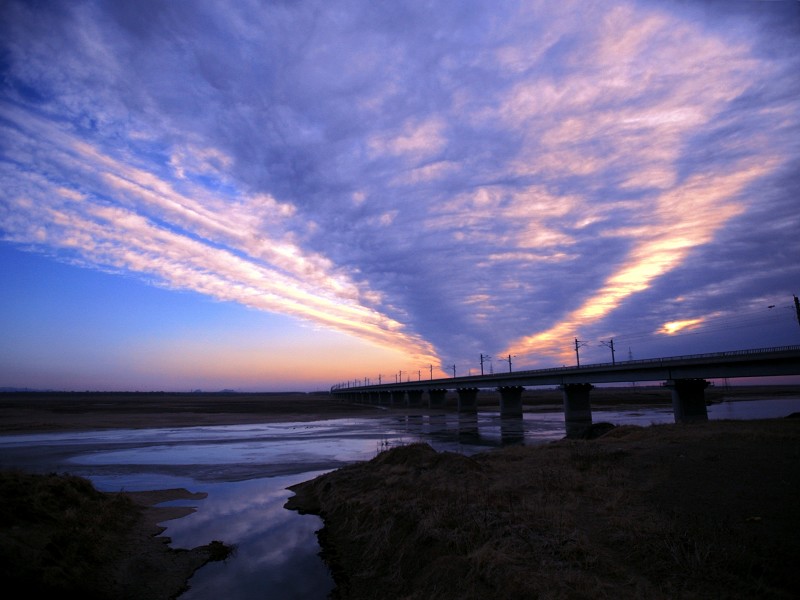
(686, 376)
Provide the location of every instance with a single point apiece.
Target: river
(246, 469)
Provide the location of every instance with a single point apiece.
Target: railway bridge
(686, 376)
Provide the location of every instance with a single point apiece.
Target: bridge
(686, 376)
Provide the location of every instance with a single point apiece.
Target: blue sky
(272, 195)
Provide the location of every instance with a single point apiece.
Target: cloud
(445, 180)
(220, 251)
(664, 246)
(676, 326)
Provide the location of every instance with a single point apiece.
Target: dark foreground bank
(668, 511)
(61, 538)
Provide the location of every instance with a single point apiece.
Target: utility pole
(431, 369)
(577, 354)
(483, 358)
(630, 357)
(610, 344)
(379, 378)
(509, 363)
(454, 371)
(797, 308)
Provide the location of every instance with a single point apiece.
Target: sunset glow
(676, 326)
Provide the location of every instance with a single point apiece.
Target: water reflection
(512, 431)
(468, 428)
(245, 470)
(277, 551)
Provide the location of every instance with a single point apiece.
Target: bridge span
(686, 376)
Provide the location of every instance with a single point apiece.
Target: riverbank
(668, 511)
(59, 537)
(33, 412)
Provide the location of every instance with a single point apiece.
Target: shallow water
(245, 470)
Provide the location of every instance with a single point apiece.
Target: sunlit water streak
(246, 469)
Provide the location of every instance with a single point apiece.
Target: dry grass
(56, 532)
(659, 512)
(60, 537)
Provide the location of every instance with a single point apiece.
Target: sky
(273, 195)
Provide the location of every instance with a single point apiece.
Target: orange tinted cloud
(674, 327)
(684, 219)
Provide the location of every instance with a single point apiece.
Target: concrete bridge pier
(414, 397)
(398, 397)
(384, 398)
(436, 398)
(577, 408)
(511, 400)
(688, 400)
(467, 399)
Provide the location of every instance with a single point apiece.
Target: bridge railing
(657, 361)
(642, 361)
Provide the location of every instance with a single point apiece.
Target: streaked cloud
(180, 241)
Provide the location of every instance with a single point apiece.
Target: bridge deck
(761, 362)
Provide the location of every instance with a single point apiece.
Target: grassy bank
(60, 537)
(667, 511)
